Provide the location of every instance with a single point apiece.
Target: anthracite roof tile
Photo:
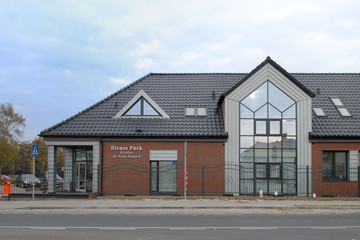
(173, 92)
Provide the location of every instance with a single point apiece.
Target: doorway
(163, 177)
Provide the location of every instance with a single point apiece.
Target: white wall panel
(163, 155)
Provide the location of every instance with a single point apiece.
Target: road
(175, 227)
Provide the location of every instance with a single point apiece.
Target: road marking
(180, 228)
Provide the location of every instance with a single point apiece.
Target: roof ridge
(214, 73)
(94, 105)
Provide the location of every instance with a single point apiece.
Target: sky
(60, 57)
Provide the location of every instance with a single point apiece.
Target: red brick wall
(131, 175)
(320, 187)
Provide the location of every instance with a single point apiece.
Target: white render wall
(232, 120)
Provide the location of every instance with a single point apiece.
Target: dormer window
(141, 108)
(319, 112)
(344, 112)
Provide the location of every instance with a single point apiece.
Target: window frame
(267, 127)
(333, 177)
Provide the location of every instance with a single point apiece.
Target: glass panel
(344, 112)
(289, 141)
(135, 110)
(274, 185)
(201, 111)
(290, 113)
(274, 127)
(340, 165)
(289, 155)
(245, 112)
(273, 112)
(257, 98)
(246, 142)
(260, 155)
(260, 127)
(246, 127)
(337, 102)
(319, 112)
(289, 187)
(274, 171)
(262, 112)
(261, 142)
(260, 171)
(190, 111)
(261, 185)
(246, 155)
(153, 166)
(89, 155)
(167, 176)
(279, 99)
(275, 154)
(289, 126)
(275, 142)
(247, 187)
(149, 110)
(80, 155)
(289, 170)
(246, 170)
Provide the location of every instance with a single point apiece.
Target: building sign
(126, 152)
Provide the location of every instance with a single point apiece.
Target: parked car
(27, 180)
(59, 180)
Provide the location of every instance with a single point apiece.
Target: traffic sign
(35, 150)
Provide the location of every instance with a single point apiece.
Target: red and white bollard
(186, 180)
(261, 194)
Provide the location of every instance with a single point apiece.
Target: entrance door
(268, 178)
(80, 184)
(163, 175)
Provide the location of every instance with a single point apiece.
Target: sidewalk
(180, 206)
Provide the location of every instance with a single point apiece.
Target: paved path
(173, 206)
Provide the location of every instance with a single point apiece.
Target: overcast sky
(60, 57)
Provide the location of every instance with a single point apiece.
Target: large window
(268, 140)
(335, 166)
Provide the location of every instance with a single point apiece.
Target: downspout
(101, 167)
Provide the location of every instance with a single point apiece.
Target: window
(335, 165)
(319, 112)
(344, 112)
(196, 111)
(141, 108)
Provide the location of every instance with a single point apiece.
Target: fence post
(358, 181)
(307, 181)
(203, 180)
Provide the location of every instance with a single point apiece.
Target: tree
(11, 123)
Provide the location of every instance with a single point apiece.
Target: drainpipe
(185, 169)
(101, 167)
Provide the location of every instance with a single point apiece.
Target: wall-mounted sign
(126, 152)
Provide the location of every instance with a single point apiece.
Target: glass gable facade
(268, 142)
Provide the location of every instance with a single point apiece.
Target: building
(267, 130)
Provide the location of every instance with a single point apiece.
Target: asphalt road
(175, 227)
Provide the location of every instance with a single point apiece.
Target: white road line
(180, 228)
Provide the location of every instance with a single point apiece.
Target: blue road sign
(35, 150)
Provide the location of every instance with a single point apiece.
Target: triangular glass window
(141, 108)
(134, 110)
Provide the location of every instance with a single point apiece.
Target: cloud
(119, 81)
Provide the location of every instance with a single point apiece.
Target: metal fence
(170, 178)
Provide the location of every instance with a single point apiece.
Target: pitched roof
(174, 92)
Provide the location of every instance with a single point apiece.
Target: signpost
(35, 153)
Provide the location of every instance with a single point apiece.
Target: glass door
(163, 175)
(80, 184)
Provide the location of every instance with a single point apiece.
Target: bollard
(261, 194)
(7, 189)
